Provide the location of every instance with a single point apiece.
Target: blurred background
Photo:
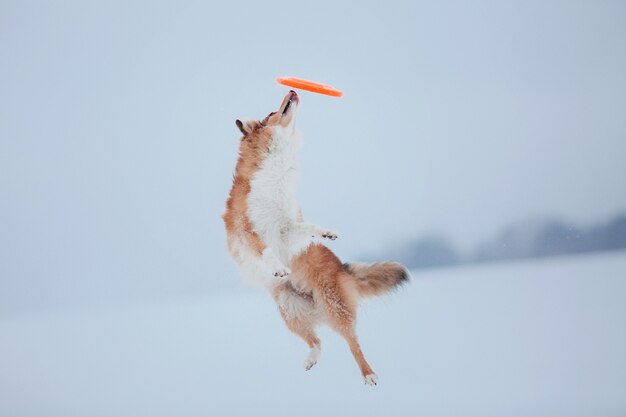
(480, 143)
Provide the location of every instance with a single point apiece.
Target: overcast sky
(118, 142)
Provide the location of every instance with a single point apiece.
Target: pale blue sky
(117, 135)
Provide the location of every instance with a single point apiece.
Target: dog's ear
(247, 126)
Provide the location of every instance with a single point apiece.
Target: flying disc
(311, 86)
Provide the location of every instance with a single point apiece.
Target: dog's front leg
(301, 234)
(273, 264)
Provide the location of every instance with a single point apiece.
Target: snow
(541, 338)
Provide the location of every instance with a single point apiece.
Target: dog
(276, 249)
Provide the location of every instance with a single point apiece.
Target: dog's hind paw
(371, 379)
(309, 363)
(312, 358)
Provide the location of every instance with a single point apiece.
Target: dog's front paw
(329, 234)
(274, 265)
(282, 272)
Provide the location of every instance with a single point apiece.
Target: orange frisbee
(311, 86)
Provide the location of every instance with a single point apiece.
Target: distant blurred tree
(429, 252)
(529, 239)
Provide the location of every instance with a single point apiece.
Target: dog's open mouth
(287, 107)
(293, 98)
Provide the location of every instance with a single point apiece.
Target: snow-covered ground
(542, 338)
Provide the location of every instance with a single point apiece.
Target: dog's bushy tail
(377, 278)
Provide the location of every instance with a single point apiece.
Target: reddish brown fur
(377, 278)
(303, 326)
(236, 216)
(334, 291)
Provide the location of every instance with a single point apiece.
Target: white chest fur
(272, 205)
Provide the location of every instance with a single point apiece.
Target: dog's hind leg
(296, 310)
(368, 374)
(341, 309)
(306, 331)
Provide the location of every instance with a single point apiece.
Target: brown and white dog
(276, 249)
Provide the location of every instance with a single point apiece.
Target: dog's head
(282, 119)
